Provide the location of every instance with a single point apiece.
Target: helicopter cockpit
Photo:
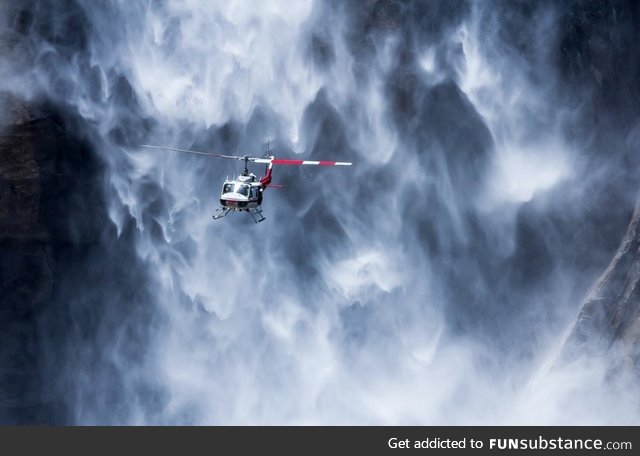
(236, 187)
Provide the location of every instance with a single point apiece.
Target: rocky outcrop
(609, 323)
(44, 180)
(26, 278)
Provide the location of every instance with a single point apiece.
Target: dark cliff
(47, 176)
(64, 271)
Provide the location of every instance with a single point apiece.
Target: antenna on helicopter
(245, 172)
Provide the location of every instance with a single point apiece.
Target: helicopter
(245, 193)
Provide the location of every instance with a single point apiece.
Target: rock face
(45, 175)
(26, 277)
(609, 323)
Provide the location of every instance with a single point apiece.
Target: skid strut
(221, 212)
(257, 215)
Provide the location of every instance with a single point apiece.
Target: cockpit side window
(227, 188)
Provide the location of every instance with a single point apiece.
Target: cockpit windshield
(236, 187)
(242, 189)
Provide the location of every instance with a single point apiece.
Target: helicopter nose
(234, 200)
(234, 197)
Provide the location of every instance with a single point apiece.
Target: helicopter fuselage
(242, 194)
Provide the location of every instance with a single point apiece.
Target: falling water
(432, 282)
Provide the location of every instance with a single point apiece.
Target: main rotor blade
(273, 160)
(281, 161)
(210, 154)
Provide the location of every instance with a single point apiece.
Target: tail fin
(266, 179)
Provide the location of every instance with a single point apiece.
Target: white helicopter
(244, 194)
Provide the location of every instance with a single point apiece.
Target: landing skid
(221, 212)
(257, 215)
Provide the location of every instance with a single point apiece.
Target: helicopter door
(254, 193)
